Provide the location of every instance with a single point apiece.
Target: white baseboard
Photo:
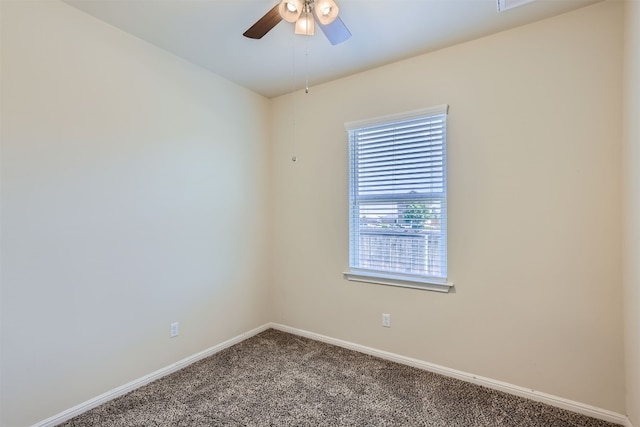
(537, 396)
(559, 402)
(119, 391)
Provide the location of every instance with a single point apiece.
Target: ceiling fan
(305, 14)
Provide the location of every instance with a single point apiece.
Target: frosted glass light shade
(305, 24)
(290, 10)
(326, 11)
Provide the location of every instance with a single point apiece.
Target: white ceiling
(209, 33)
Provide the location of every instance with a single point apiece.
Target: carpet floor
(280, 379)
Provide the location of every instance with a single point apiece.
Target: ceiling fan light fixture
(326, 11)
(304, 14)
(290, 10)
(305, 24)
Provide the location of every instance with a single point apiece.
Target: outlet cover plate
(386, 320)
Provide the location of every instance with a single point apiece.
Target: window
(398, 200)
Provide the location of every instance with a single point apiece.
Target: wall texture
(133, 192)
(535, 198)
(632, 208)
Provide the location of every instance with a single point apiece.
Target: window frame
(415, 281)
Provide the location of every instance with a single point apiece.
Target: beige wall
(127, 176)
(632, 209)
(534, 204)
(130, 185)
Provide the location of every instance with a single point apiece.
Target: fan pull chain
(306, 79)
(294, 157)
(306, 67)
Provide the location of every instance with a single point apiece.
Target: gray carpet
(279, 379)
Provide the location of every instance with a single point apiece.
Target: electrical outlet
(386, 320)
(174, 330)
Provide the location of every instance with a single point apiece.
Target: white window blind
(398, 199)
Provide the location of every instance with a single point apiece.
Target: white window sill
(398, 280)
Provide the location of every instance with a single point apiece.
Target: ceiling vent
(510, 4)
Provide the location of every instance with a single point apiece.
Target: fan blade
(264, 24)
(336, 32)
